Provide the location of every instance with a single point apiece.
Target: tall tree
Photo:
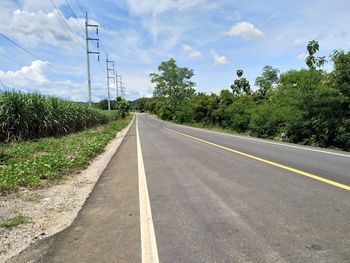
(122, 107)
(267, 80)
(173, 82)
(312, 61)
(340, 80)
(240, 85)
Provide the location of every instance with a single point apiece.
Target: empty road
(213, 198)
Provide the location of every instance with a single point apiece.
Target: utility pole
(108, 62)
(88, 52)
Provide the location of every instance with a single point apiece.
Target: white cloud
(192, 53)
(33, 78)
(218, 60)
(158, 16)
(159, 6)
(32, 75)
(34, 5)
(36, 27)
(245, 30)
(137, 85)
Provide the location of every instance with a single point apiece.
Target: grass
(14, 221)
(39, 163)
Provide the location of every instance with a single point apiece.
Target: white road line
(148, 237)
(258, 140)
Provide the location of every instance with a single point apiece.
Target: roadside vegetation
(119, 106)
(30, 116)
(41, 162)
(43, 138)
(307, 106)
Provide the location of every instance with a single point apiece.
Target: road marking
(316, 177)
(149, 249)
(258, 140)
(265, 141)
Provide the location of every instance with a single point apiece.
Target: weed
(14, 221)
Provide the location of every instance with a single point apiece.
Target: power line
(71, 9)
(2, 84)
(26, 50)
(73, 13)
(101, 67)
(12, 60)
(82, 11)
(65, 22)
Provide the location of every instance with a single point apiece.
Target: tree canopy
(307, 106)
(173, 81)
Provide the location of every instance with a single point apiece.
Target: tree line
(120, 105)
(306, 106)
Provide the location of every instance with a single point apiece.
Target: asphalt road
(214, 198)
(213, 205)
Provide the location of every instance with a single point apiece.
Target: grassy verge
(38, 163)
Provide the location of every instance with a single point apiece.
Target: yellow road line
(315, 177)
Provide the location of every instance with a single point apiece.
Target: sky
(214, 38)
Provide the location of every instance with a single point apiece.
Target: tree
(340, 80)
(173, 83)
(307, 106)
(240, 85)
(311, 61)
(267, 80)
(103, 104)
(140, 104)
(122, 107)
(223, 113)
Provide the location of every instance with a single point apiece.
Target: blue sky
(214, 38)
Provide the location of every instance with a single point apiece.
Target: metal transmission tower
(122, 90)
(108, 63)
(117, 82)
(88, 51)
